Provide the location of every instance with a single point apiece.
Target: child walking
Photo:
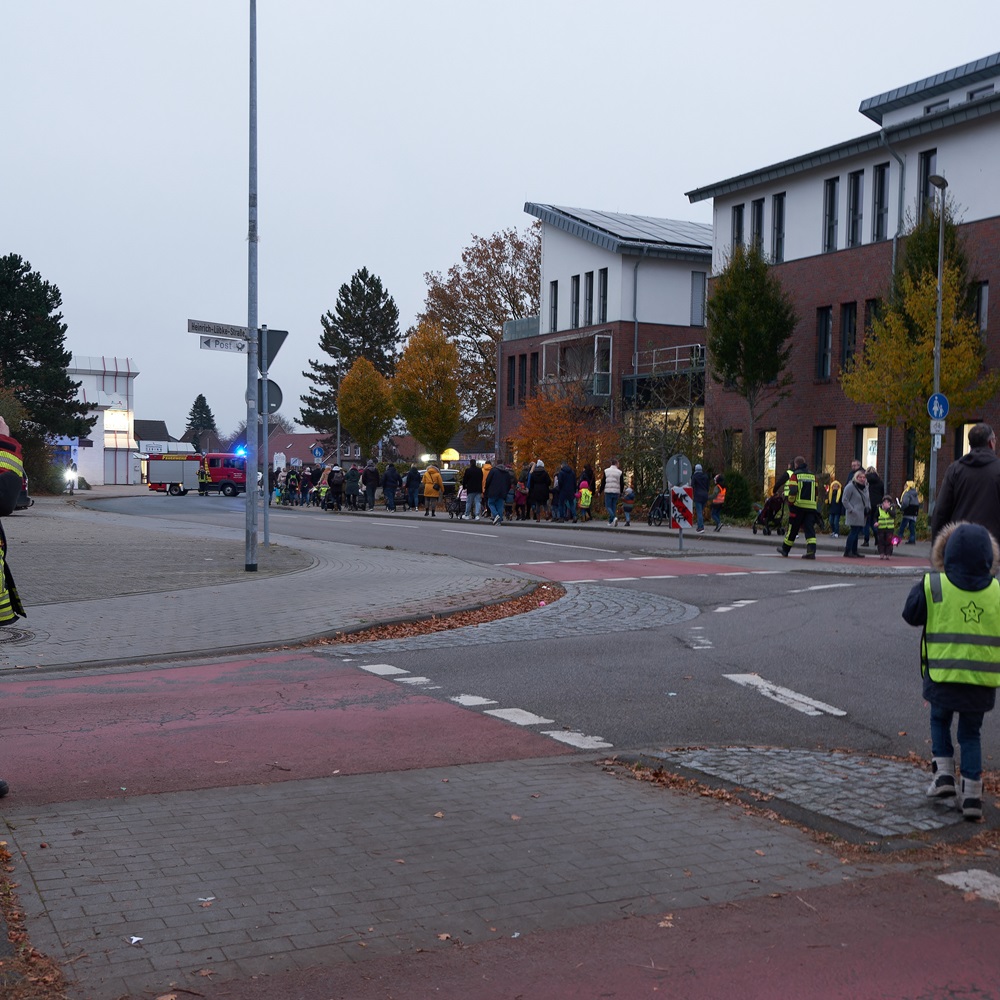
(584, 500)
(835, 508)
(885, 529)
(628, 502)
(717, 500)
(958, 605)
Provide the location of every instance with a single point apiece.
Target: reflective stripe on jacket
(961, 642)
(805, 490)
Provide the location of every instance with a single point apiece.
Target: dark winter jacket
(699, 484)
(969, 557)
(538, 485)
(566, 479)
(352, 479)
(498, 483)
(970, 492)
(370, 476)
(390, 480)
(876, 490)
(413, 478)
(472, 479)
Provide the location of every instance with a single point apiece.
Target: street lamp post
(941, 184)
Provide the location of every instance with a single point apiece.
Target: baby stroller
(769, 514)
(402, 499)
(455, 504)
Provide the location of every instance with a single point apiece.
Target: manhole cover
(12, 635)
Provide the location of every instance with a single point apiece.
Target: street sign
(937, 406)
(216, 329)
(678, 470)
(938, 427)
(223, 344)
(681, 507)
(273, 396)
(317, 452)
(275, 338)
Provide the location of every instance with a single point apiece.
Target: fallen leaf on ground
(444, 937)
(514, 817)
(439, 815)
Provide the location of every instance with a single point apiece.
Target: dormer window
(933, 109)
(983, 91)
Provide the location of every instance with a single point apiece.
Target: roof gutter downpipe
(902, 191)
(635, 318)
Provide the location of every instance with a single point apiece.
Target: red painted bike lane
(236, 722)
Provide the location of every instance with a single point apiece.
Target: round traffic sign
(937, 406)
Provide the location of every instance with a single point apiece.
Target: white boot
(942, 784)
(972, 799)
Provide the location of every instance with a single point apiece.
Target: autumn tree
(557, 425)
(366, 409)
(497, 280)
(895, 372)
(425, 388)
(363, 324)
(750, 324)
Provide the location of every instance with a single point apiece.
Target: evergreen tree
(364, 324)
(33, 356)
(200, 419)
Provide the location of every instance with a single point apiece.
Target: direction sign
(937, 406)
(273, 396)
(678, 470)
(223, 344)
(275, 338)
(216, 329)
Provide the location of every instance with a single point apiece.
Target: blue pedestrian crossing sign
(937, 406)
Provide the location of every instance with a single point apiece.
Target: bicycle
(660, 510)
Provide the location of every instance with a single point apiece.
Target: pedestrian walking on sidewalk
(433, 487)
(856, 505)
(876, 490)
(835, 507)
(718, 500)
(909, 504)
(612, 486)
(971, 487)
(498, 484)
(885, 529)
(801, 493)
(699, 494)
(958, 605)
(11, 483)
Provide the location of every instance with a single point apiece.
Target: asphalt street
(437, 815)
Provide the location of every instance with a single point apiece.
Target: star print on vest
(973, 612)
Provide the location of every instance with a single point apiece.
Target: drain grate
(15, 635)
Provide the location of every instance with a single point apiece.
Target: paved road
(334, 824)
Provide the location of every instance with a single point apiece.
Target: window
(602, 366)
(510, 380)
(855, 206)
(737, 226)
(933, 109)
(769, 449)
(982, 305)
(913, 463)
(553, 306)
(824, 341)
(757, 223)
(533, 378)
(825, 451)
(699, 284)
(778, 228)
(831, 195)
(983, 91)
(880, 202)
(732, 448)
(872, 307)
(574, 301)
(522, 378)
(602, 295)
(925, 191)
(866, 446)
(848, 333)
(588, 298)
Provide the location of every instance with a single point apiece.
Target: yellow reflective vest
(961, 643)
(10, 604)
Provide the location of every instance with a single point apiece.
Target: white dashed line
(735, 605)
(563, 545)
(383, 669)
(471, 700)
(415, 681)
(821, 586)
(579, 740)
(518, 716)
(787, 697)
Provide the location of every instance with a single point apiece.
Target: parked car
(24, 501)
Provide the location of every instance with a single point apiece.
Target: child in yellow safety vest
(885, 529)
(958, 605)
(584, 498)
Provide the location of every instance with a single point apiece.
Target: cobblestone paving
(578, 613)
(880, 797)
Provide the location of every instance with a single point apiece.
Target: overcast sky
(389, 134)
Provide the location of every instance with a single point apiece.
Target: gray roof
(925, 124)
(931, 86)
(629, 234)
(151, 430)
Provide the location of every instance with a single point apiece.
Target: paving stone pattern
(879, 797)
(366, 859)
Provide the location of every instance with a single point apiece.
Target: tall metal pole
(338, 416)
(941, 184)
(265, 435)
(251, 483)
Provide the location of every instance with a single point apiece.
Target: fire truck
(214, 472)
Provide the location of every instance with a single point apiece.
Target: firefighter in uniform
(204, 477)
(801, 494)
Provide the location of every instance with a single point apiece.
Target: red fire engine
(214, 472)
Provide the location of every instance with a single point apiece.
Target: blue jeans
(911, 524)
(851, 545)
(496, 506)
(969, 724)
(717, 515)
(412, 497)
(370, 497)
(473, 501)
(611, 503)
(699, 513)
(835, 524)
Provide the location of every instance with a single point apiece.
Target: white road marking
(821, 586)
(787, 697)
(564, 545)
(471, 700)
(416, 681)
(472, 531)
(735, 572)
(983, 884)
(620, 579)
(518, 716)
(383, 669)
(666, 576)
(735, 605)
(579, 740)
